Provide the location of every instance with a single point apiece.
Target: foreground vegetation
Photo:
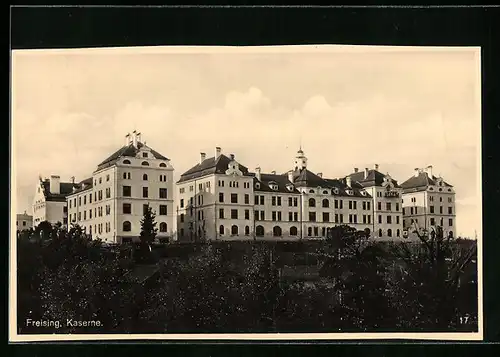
(240, 287)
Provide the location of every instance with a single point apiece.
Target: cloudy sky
(348, 106)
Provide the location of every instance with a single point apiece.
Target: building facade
(428, 201)
(49, 201)
(111, 203)
(24, 221)
(219, 198)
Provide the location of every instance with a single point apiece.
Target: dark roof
(210, 166)
(65, 189)
(421, 182)
(280, 180)
(305, 178)
(374, 178)
(83, 185)
(130, 151)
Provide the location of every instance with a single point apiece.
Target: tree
(148, 232)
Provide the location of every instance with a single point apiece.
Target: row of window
(431, 199)
(414, 210)
(388, 219)
(100, 180)
(144, 163)
(388, 206)
(127, 192)
(145, 177)
(127, 227)
(127, 209)
(233, 184)
(191, 201)
(432, 222)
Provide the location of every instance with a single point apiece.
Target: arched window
(145, 177)
(311, 191)
(380, 232)
(127, 162)
(145, 163)
(276, 231)
(127, 226)
(309, 231)
(163, 227)
(398, 233)
(293, 231)
(312, 202)
(247, 230)
(163, 164)
(259, 231)
(326, 203)
(234, 230)
(221, 229)
(389, 232)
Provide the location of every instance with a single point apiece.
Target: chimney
(375, 167)
(366, 172)
(290, 176)
(257, 173)
(231, 156)
(320, 174)
(356, 169)
(273, 172)
(202, 157)
(217, 152)
(134, 138)
(55, 184)
(72, 179)
(348, 181)
(127, 139)
(417, 172)
(139, 137)
(429, 171)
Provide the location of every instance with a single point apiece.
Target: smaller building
(24, 221)
(49, 201)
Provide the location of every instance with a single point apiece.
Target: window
(350, 204)
(336, 204)
(364, 206)
(290, 204)
(397, 206)
(234, 198)
(163, 164)
(326, 203)
(311, 191)
(295, 216)
(144, 154)
(182, 217)
(163, 193)
(70, 203)
(312, 216)
(379, 206)
(79, 216)
(163, 227)
(256, 215)
(404, 211)
(234, 230)
(163, 210)
(326, 217)
(441, 209)
(145, 163)
(389, 232)
(127, 191)
(350, 218)
(432, 221)
(431, 209)
(276, 231)
(200, 187)
(279, 201)
(312, 202)
(379, 218)
(389, 219)
(145, 177)
(127, 208)
(221, 229)
(100, 180)
(354, 204)
(450, 210)
(107, 177)
(273, 213)
(247, 230)
(126, 162)
(145, 208)
(295, 201)
(450, 199)
(397, 219)
(247, 214)
(398, 233)
(450, 222)
(182, 203)
(145, 192)
(261, 200)
(273, 200)
(124, 175)
(293, 231)
(259, 231)
(336, 218)
(256, 200)
(221, 197)
(90, 214)
(262, 215)
(79, 201)
(127, 226)
(388, 206)
(341, 217)
(415, 210)
(380, 232)
(290, 216)
(368, 205)
(221, 213)
(309, 231)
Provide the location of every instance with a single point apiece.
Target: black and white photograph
(257, 192)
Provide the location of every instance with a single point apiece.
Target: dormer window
(363, 193)
(163, 164)
(289, 187)
(257, 185)
(325, 192)
(431, 189)
(449, 190)
(145, 163)
(311, 191)
(144, 154)
(349, 192)
(335, 191)
(126, 162)
(273, 186)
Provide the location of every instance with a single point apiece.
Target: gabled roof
(280, 180)
(306, 178)
(374, 178)
(421, 182)
(210, 166)
(83, 185)
(130, 151)
(65, 189)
